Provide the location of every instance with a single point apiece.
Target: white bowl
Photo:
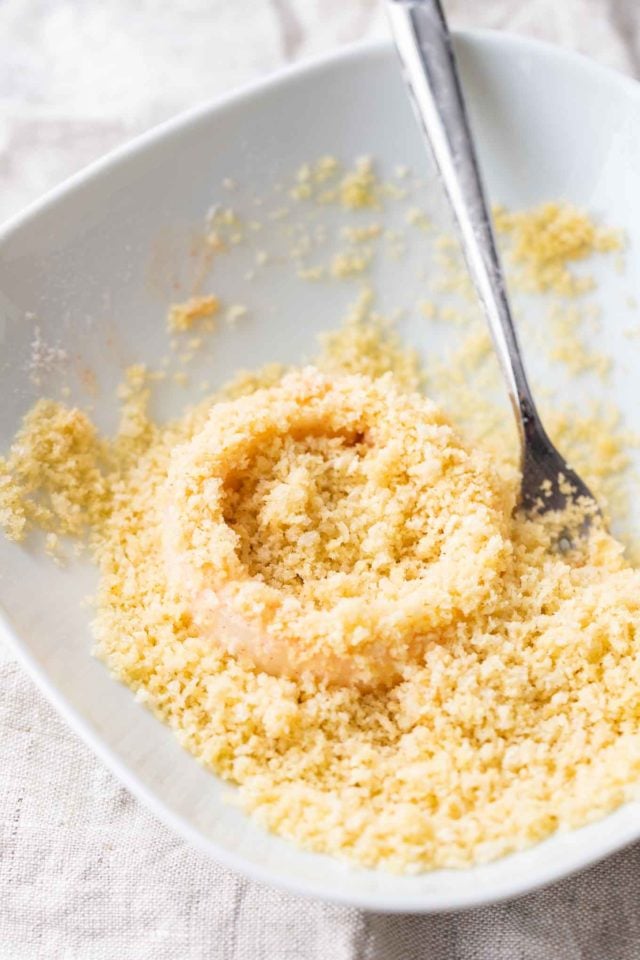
(93, 261)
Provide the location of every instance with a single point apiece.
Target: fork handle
(424, 45)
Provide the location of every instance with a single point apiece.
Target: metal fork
(424, 44)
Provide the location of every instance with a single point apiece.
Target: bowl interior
(95, 266)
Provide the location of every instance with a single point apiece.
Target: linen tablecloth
(85, 872)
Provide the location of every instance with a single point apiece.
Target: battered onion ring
(366, 640)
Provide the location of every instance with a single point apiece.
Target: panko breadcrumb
(52, 477)
(547, 239)
(332, 527)
(324, 183)
(366, 344)
(350, 263)
(184, 316)
(360, 187)
(516, 716)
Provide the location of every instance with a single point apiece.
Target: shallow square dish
(97, 262)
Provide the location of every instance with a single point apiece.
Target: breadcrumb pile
(548, 239)
(325, 592)
(52, 478)
(332, 526)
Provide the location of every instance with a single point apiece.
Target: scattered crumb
(237, 311)
(360, 187)
(311, 273)
(184, 316)
(569, 346)
(350, 264)
(546, 239)
(367, 343)
(281, 213)
(44, 358)
(223, 229)
(417, 218)
(393, 191)
(364, 234)
(428, 309)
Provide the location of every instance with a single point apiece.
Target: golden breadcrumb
(519, 717)
(360, 187)
(571, 347)
(350, 263)
(311, 175)
(418, 218)
(324, 183)
(362, 234)
(184, 316)
(548, 238)
(319, 583)
(52, 475)
(365, 343)
(312, 274)
(339, 525)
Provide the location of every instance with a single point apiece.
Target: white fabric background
(85, 872)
